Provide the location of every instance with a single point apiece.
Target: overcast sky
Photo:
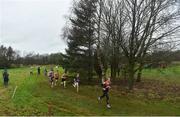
(33, 25)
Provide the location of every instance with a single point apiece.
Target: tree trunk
(113, 71)
(99, 42)
(118, 71)
(139, 73)
(90, 69)
(100, 76)
(114, 66)
(100, 63)
(131, 74)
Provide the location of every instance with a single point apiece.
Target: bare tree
(148, 22)
(110, 46)
(136, 26)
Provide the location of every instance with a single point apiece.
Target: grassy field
(158, 94)
(170, 74)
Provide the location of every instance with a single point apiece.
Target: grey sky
(33, 25)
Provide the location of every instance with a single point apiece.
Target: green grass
(34, 97)
(170, 74)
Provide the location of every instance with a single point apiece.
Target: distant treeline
(11, 58)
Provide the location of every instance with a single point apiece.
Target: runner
(64, 78)
(56, 76)
(51, 78)
(31, 70)
(45, 72)
(106, 87)
(76, 82)
(39, 70)
(5, 77)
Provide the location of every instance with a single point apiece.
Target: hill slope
(35, 97)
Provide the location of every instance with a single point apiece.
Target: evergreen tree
(81, 38)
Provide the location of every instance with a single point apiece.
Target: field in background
(170, 74)
(158, 94)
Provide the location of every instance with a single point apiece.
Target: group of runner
(54, 77)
